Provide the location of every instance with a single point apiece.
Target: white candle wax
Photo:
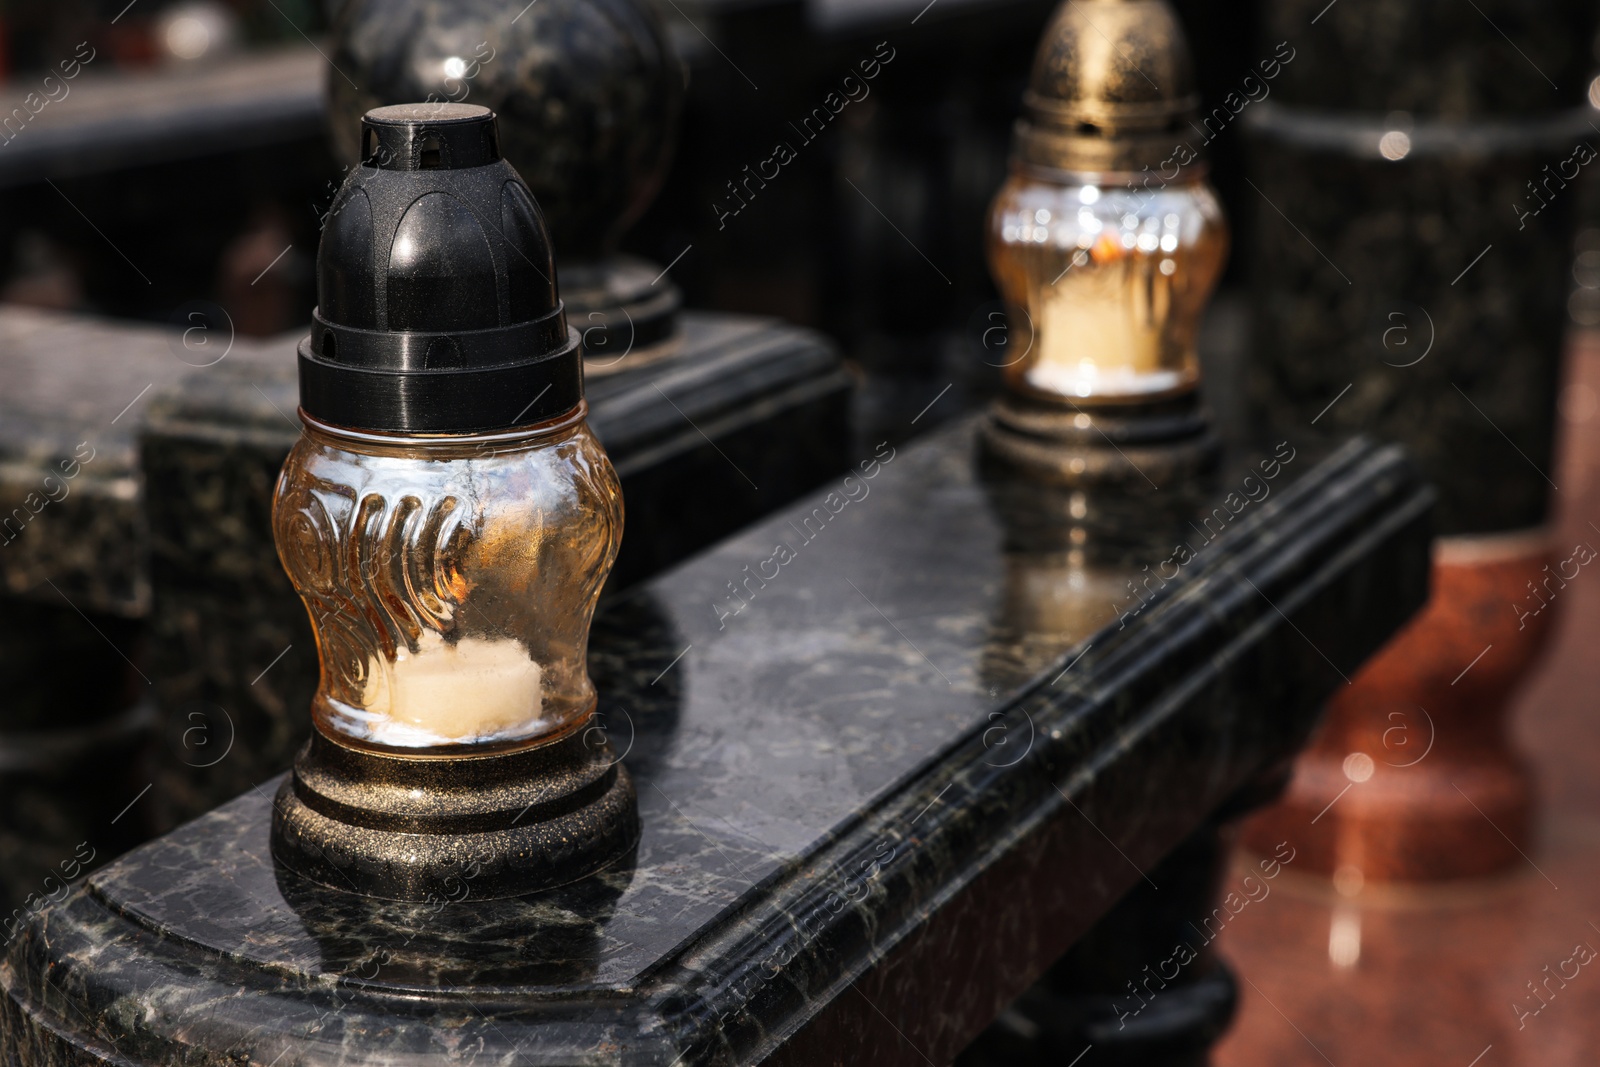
(474, 689)
(1094, 341)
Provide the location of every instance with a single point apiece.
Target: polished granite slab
(893, 757)
(75, 391)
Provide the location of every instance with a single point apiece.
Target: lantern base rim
(400, 828)
(1137, 445)
(625, 309)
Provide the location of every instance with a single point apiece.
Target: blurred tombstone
(1414, 178)
(588, 93)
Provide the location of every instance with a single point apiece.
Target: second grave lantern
(1107, 240)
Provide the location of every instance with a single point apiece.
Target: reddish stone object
(1413, 777)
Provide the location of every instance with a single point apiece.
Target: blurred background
(1413, 225)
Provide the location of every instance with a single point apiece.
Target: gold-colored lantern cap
(1112, 89)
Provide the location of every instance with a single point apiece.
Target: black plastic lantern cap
(437, 308)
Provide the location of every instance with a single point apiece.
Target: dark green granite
(74, 391)
(866, 826)
(1090, 998)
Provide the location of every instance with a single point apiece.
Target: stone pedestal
(1142, 987)
(840, 861)
(1415, 175)
(79, 707)
(1414, 762)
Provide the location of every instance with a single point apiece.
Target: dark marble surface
(173, 113)
(870, 818)
(746, 416)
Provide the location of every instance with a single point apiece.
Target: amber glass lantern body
(1106, 276)
(451, 581)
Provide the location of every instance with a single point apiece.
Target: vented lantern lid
(437, 306)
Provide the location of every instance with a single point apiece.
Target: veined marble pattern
(838, 857)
